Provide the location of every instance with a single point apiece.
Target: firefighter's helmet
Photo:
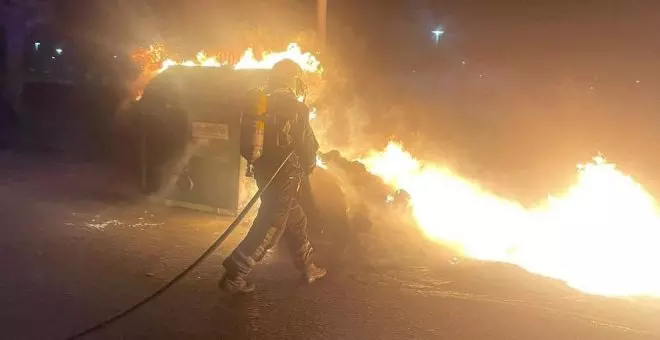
(287, 74)
(286, 68)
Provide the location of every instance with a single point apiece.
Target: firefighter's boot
(235, 284)
(313, 273)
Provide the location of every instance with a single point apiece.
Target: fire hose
(192, 266)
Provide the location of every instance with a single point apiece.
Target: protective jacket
(287, 127)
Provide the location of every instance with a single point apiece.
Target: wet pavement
(73, 252)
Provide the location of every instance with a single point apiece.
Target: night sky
(586, 38)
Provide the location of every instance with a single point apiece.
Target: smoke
(517, 135)
(342, 129)
(176, 168)
(176, 172)
(473, 128)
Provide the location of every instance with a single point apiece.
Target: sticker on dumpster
(210, 130)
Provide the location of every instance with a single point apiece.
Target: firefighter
(286, 128)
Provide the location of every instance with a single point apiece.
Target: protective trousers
(280, 213)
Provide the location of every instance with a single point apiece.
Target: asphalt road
(73, 251)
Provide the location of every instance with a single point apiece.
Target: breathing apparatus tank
(253, 126)
(284, 75)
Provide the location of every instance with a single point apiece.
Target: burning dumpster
(190, 130)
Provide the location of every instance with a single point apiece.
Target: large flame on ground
(602, 236)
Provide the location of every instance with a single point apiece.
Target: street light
(437, 33)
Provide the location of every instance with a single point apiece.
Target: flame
(155, 59)
(306, 61)
(602, 236)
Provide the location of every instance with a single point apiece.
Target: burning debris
(570, 237)
(368, 188)
(364, 198)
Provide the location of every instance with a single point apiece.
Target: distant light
(591, 87)
(36, 45)
(637, 81)
(464, 62)
(114, 56)
(58, 51)
(481, 76)
(53, 57)
(437, 33)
